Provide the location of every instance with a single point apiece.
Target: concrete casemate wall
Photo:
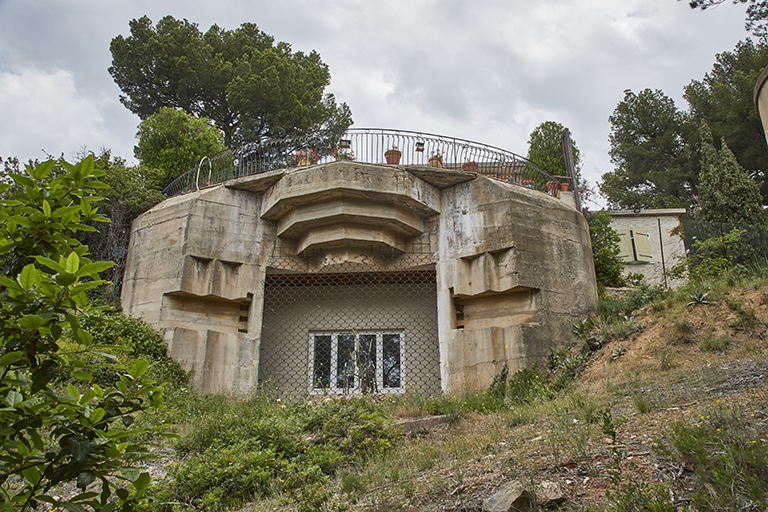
(513, 266)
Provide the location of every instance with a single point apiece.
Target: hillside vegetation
(660, 405)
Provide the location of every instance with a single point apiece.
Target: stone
(548, 493)
(510, 498)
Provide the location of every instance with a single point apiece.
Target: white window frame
(333, 388)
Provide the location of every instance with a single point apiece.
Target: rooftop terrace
(368, 145)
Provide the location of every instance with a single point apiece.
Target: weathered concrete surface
(761, 99)
(514, 266)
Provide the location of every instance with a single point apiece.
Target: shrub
(140, 341)
(53, 434)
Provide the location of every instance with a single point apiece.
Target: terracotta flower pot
(470, 167)
(551, 186)
(393, 156)
(564, 186)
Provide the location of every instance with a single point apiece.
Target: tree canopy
(240, 79)
(725, 100)
(649, 146)
(757, 13)
(172, 140)
(545, 149)
(657, 149)
(58, 424)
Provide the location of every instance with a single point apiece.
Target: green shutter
(642, 246)
(625, 245)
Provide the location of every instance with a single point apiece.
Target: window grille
(350, 332)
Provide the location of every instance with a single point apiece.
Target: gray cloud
(489, 70)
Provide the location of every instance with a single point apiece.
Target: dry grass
(656, 382)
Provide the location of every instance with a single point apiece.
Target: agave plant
(698, 297)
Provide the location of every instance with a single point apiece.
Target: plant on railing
(305, 157)
(342, 154)
(436, 160)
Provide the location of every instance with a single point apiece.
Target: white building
(648, 244)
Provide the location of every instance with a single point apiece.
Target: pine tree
(726, 192)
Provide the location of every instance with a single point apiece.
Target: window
(366, 362)
(634, 246)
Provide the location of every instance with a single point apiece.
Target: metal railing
(367, 145)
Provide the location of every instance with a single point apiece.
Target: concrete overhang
(349, 210)
(257, 183)
(348, 235)
(440, 178)
(367, 182)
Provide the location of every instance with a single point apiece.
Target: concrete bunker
(348, 277)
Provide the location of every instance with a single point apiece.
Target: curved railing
(375, 146)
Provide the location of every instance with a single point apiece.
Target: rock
(549, 493)
(510, 498)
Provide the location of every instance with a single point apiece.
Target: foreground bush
(53, 434)
(242, 449)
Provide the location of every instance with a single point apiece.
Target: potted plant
(342, 154)
(393, 155)
(436, 160)
(564, 186)
(529, 183)
(302, 158)
(470, 167)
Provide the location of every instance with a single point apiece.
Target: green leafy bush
(53, 434)
(242, 448)
(605, 250)
(139, 340)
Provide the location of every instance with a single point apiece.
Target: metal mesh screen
(350, 332)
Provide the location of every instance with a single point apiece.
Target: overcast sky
(484, 70)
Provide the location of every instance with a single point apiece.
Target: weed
(350, 482)
(570, 435)
(526, 385)
(747, 317)
(618, 352)
(642, 403)
(568, 367)
(665, 359)
(698, 297)
(684, 333)
(715, 344)
(632, 497)
(730, 462)
(583, 327)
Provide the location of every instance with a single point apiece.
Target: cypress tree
(726, 191)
